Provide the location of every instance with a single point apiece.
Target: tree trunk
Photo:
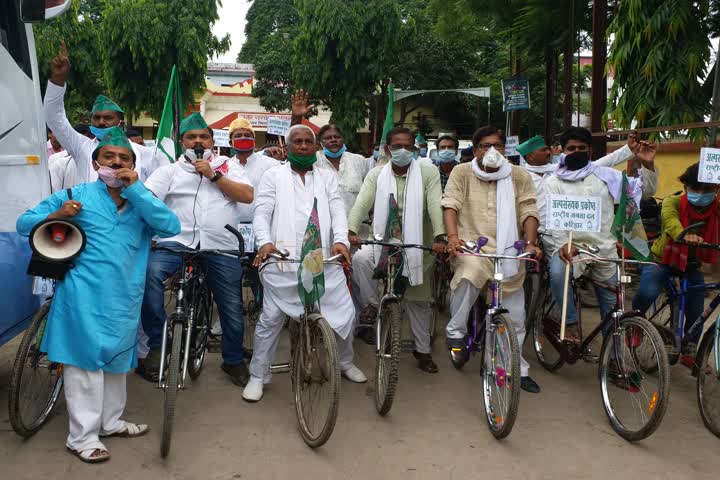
(550, 78)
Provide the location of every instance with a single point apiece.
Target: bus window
(12, 35)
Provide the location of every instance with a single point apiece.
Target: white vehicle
(23, 153)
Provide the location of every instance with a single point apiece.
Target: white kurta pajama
(350, 175)
(283, 202)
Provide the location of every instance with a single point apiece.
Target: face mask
(700, 199)
(107, 175)
(301, 161)
(446, 156)
(577, 160)
(423, 152)
(555, 159)
(402, 157)
(493, 159)
(243, 145)
(334, 155)
(376, 154)
(99, 133)
(192, 157)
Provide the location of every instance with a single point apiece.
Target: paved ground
(435, 430)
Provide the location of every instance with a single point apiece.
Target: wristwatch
(218, 176)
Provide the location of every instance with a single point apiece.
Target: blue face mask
(376, 154)
(402, 157)
(337, 154)
(446, 156)
(700, 199)
(99, 133)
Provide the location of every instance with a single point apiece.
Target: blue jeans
(224, 276)
(654, 280)
(606, 298)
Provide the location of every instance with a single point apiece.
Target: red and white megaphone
(55, 244)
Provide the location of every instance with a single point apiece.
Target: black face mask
(576, 160)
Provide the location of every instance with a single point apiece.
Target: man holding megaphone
(93, 321)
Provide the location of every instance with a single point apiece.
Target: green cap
(115, 137)
(193, 122)
(531, 145)
(419, 139)
(104, 103)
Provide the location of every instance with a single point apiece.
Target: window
(12, 35)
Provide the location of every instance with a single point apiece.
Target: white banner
(221, 138)
(511, 144)
(278, 125)
(709, 165)
(573, 213)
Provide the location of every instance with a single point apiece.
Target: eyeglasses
(486, 146)
(576, 148)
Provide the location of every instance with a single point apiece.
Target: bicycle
(627, 332)
(708, 378)
(491, 334)
(186, 329)
(252, 295)
(314, 367)
(36, 382)
(388, 323)
(442, 275)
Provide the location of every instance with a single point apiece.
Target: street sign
(709, 165)
(573, 213)
(278, 125)
(516, 94)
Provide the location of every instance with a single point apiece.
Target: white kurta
(349, 176)
(63, 172)
(81, 147)
(253, 169)
(203, 209)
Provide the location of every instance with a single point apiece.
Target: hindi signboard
(278, 125)
(221, 138)
(516, 94)
(573, 213)
(709, 165)
(511, 144)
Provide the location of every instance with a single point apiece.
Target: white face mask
(493, 158)
(190, 155)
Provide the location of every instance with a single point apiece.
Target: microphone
(199, 151)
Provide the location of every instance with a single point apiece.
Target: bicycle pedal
(591, 358)
(407, 346)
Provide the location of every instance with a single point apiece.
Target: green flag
(393, 231)
(389, 116)
(168, 140)
(628, 227)
(311, 279)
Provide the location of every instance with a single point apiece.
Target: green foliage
(342, 52)
(660, 52)
(264, 19)
(142, 39)
(273, 72)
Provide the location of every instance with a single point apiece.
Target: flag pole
(565, 289)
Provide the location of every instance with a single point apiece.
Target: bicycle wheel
(501, 376)
(663, 315)
(200, 332)
(36, 382)
(316, 381)
(635, 400)
(387, 360)
(434, 323)
(172, 379)
(546, 325)
(440, 286)
(708, 380)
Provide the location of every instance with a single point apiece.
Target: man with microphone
(93, 320)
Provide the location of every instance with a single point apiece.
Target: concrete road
(436, 430)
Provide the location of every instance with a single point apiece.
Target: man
(374, 158)
(284, 202)
(578, 176)
(421, 146)
(489, 197)
(135, 136)
(62, 167)
(104, 115)
(205, 191)
(447, 155)
(416, 188)
(53, 146)
(94, 316)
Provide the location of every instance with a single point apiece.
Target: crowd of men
(124, 194)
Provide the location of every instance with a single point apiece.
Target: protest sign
(278, 125)
(709, 165)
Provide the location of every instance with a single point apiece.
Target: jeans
(224, 276)
(653, 281)
(606, 298)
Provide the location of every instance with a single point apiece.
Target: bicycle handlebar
(397, 245)
(687, 229)
(594, 257)
(526, 257)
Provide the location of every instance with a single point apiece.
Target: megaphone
(55, 244)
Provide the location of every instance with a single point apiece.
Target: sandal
(572, 334)
(131, 430)
(91, 455)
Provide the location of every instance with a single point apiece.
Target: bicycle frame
(674, 295)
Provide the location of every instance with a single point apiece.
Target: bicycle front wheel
(200, 333)
(501, 376)
(172, 378)
(634, 392)
(387, 359)
(708, 380)
(545, 330)
(316, 381)
(36, 382)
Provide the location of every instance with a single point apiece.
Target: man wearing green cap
(104, 114)
(206, 191)
(93, 320)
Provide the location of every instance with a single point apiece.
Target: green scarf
(300, 161)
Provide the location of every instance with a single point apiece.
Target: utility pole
(567, 68)
(710, 141)
(599, 80)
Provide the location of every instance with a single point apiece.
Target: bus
(24, 177)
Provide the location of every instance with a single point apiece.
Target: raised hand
(60, 66)
(646, 154)
(300, 102)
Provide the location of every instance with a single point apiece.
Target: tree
(273, 72)
(659, 55)
(143, 39)
(264, 19)
(342, 52)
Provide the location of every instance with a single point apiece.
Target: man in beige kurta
(494, 200)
